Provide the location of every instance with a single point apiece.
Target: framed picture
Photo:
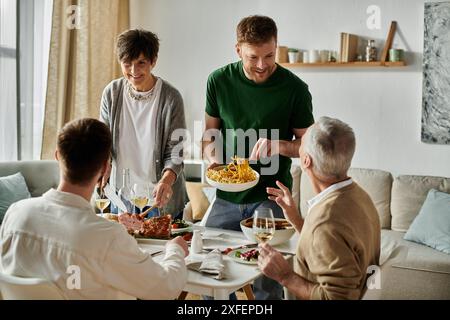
(436, 75)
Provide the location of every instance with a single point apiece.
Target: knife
(242, 246)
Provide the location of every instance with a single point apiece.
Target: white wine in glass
(101, 201)
(263, 225)
(140, 202)
(140, 195)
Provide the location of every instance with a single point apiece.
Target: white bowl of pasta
(235, 177)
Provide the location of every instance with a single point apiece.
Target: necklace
(139, 97)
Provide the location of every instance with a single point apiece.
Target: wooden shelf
(356, 64)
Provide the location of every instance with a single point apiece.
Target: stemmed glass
(263, 224)
(101, 201)
(140, 195)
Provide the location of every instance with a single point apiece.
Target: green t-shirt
(282, 102)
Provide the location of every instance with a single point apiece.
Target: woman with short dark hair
(142, 112)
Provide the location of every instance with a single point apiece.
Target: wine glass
(101, 201)
(263, 224)
(140, 194)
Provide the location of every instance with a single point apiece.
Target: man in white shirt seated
(60, 238)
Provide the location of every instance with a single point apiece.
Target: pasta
(238, 171)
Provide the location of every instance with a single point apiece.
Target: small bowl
(280, 236)
(232, 187)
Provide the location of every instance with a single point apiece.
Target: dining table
(239, 274)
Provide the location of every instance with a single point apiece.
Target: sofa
(408, 270)
(40, 176)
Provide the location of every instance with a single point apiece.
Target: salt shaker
(197, 242)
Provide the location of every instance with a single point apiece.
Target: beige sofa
(40, 176)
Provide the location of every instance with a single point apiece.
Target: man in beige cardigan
(340, 236)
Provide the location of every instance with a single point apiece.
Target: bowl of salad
(181, 226)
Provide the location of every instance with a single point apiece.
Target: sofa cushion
(40, 175)
(410, 270)
(416, 255)
(197, 198)
(376, 183)
(431, 227)
(12, 189)
(210, 193)
(408, 195)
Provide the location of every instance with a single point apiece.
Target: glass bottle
(371, 51)
(125, 190)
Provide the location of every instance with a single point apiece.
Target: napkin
(111, 195)
(212, 264)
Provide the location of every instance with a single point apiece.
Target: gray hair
(331, 145)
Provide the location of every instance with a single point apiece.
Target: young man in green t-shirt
(262, 110)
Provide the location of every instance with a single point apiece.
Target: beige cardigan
(339, 240)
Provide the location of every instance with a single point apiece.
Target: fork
(156, 253)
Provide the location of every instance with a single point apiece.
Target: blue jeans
(228, 215)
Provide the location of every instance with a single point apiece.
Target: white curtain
(82, 62)
(42, 33)
(8, 92)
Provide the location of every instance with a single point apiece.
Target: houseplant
(293, 55)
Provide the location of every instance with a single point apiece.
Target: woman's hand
(162, 194)
(163, 190)
(284, 199)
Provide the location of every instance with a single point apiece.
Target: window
(23, 76)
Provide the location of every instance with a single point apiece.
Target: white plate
(155, 241)
(175, 231)
(232, 187)
(231, 254)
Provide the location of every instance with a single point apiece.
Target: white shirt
(42, 237)
(137, 127)
(319, 197)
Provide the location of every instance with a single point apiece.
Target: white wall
(382, 105)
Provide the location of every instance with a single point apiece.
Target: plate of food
(235, 177)
(109, 216)
(245, 256)
(155, 230)
(186, 235)
(180, 226)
